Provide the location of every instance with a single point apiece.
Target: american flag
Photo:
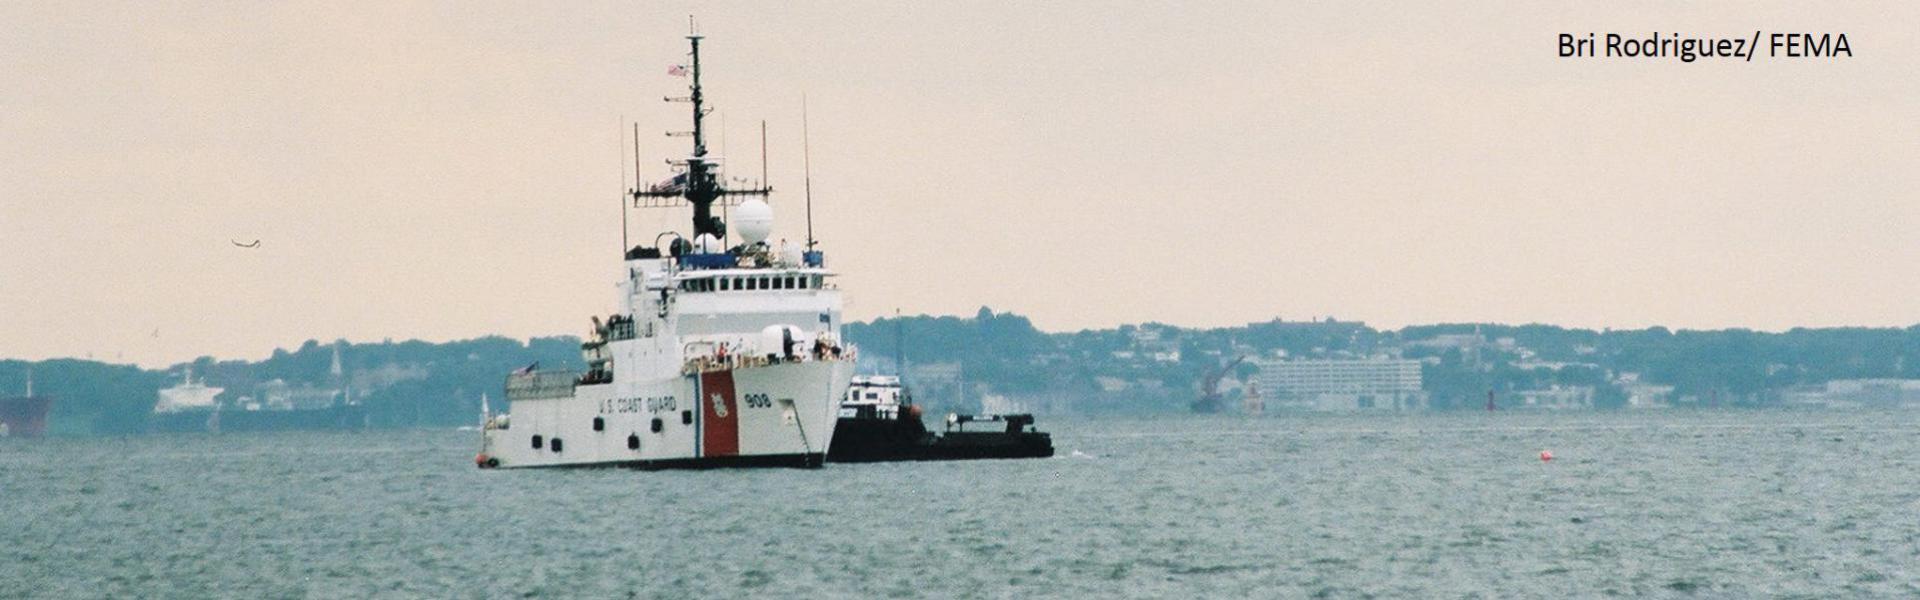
(677, 70)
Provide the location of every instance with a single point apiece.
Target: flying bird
(253, 244)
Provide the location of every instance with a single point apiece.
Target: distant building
(1451, 341)
(1642, 394)
(1556, 397)
(1342, 384)
(1000, 404)
(1156, 339)
(1842, 393)
(1043, 403)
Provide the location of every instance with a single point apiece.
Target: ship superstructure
(188, 407)
(188, 396)
(725, 350)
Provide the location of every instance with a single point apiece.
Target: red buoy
(1546, 455)
(480, 460)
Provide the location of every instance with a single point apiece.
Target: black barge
(879, 422)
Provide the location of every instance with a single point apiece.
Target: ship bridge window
(536, 442)
(753, 283)
(781, 283)
(556, 445)
(724, 284)
(599, 424)
(803, 282)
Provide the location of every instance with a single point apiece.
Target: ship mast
(698, 182)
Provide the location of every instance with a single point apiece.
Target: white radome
(790, 253)
(707, 244)
(753, 219)
(774, 338)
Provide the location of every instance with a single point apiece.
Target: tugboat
(721, 354)
(879, 422)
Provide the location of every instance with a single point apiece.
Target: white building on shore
(1332, 385)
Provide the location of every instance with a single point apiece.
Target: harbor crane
(1209, 400)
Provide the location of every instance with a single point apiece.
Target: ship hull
(770, 461)
(857, 440)
(185, 421)
(318, 419)
(236, 421)
(25, 416)
(777, 415)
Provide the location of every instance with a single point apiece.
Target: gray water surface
(1459, 505)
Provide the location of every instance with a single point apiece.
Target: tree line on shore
(426, 384)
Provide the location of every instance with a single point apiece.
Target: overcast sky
(443, 171)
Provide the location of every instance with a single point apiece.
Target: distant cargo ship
(26, 415)
(187, 407)
(193, 407)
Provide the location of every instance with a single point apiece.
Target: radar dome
(707, 244)
(783, 340)
(753, 220)
(790, 253)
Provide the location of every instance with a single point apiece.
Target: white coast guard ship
(720, 356)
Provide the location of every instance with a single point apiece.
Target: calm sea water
(1670, 504)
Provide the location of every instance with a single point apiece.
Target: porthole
(556, 445)
(633, 442)
(686, 417)
(536, 442)
(656, 426)
(599, 424)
